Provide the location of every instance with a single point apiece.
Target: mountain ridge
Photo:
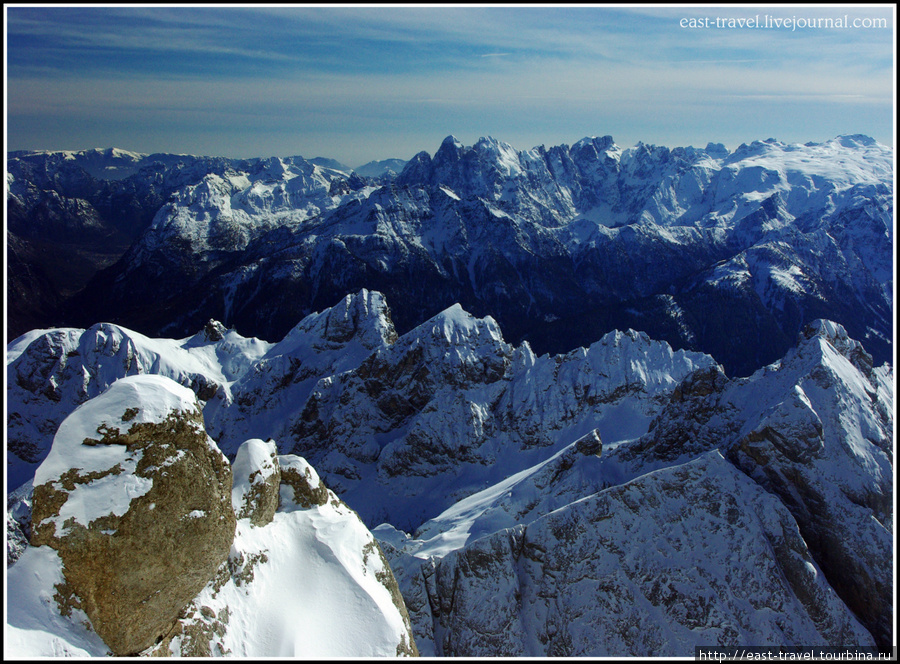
(472, 460)
(640, 238)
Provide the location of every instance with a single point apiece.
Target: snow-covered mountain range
(567, 401)
(724, 252)
(486, 470)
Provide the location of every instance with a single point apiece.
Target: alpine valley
(569, 401)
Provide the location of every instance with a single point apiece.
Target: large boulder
(136, 499)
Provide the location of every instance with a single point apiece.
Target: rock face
(136, 499)
(806, 441)
(308, 580)
(273, 392)
(685, 556)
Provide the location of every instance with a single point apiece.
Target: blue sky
(375, 82)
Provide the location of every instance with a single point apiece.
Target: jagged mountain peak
(364, 316)
(454, 327)
(822, 342)
(834, 332)
(716, 150)
(213, 331)
(600, 144)
(416, 169)
(452, 141)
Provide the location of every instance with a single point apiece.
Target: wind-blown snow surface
(314, 595)
(34, 626)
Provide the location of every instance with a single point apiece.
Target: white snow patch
(34, 626)
(450, 193)
(154, 398)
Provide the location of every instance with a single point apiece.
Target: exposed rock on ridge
(148, 544)
(686, 556)
(163, 523)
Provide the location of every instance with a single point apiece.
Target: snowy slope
(686, 556)
(816, 429)
(312, 592)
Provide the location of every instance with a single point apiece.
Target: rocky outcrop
(300, 483)
(257, 478)
(136, 499)
(145, 543)
(686, 556)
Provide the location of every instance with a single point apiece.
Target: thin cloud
(424, 72)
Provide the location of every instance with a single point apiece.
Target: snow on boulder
(300, 483)
(257, 476)
(311, 583)
(135, 497)
(51, 372)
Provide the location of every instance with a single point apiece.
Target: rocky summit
(146, 541)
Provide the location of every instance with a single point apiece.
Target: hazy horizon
(373, 83)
